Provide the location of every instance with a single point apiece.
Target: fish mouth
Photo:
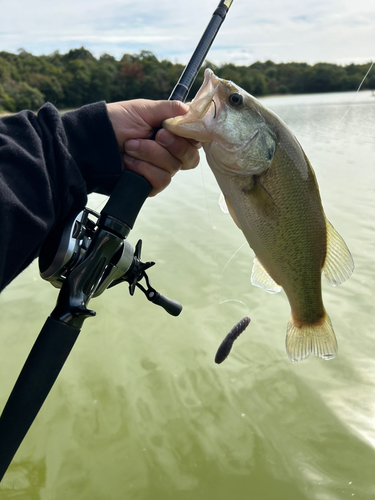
(205, 95)
(192, 125)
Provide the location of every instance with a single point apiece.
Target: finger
(182, 149)
(195, 143)
(157, 111)
(153, 153)
(157, 177)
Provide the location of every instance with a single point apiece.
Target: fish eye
(235, 99)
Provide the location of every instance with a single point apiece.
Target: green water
(141, 411)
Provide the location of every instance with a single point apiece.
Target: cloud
(292, 30)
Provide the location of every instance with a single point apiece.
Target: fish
(272, 194)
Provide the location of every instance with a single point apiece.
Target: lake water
(141, 411)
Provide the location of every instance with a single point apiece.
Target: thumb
(158, 111)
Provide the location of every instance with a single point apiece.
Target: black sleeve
(48, 165)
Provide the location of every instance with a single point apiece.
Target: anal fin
(338, 265)
(260, 278)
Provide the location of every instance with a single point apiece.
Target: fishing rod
(91, 254)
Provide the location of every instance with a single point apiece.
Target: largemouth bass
(272, 194)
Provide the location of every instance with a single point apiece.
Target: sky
(337, 31)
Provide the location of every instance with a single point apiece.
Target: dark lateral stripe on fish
(226, 345)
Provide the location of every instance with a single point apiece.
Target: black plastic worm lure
(226, 345)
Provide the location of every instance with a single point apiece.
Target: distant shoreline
(264, 97)
(76, 78)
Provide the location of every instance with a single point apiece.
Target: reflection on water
(141, 411)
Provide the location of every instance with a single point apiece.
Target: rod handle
(127, 198)
(43, 365)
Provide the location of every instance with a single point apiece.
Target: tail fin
(318, 339)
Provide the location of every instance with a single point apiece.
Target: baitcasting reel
(59, 258)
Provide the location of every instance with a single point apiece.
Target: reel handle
(170, 305)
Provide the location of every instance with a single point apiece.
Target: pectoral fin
(231, 211)
(260, 278)
(223, 204)
(338, 265)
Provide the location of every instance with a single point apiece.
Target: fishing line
(100, 204)
(210, 222)
(322, 130)
(235, 300)
(226, 265)
(356, 94)
(219, 276)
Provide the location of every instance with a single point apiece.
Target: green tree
(76, 83)
(19, 95)
(77, 78)
(103, 77)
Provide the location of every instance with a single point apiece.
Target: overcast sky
(339, 31)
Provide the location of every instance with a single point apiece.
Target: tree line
(76, 78)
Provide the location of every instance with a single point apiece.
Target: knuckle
(179, 147)
(178, 165)
(178, 108)
(192, 160)
(146, 149)
(161, 181)
(131, 161)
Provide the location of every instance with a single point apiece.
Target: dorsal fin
(260, 278)
(338, 265)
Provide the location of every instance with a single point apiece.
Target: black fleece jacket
(48, 165)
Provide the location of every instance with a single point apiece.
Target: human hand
(135, 123)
